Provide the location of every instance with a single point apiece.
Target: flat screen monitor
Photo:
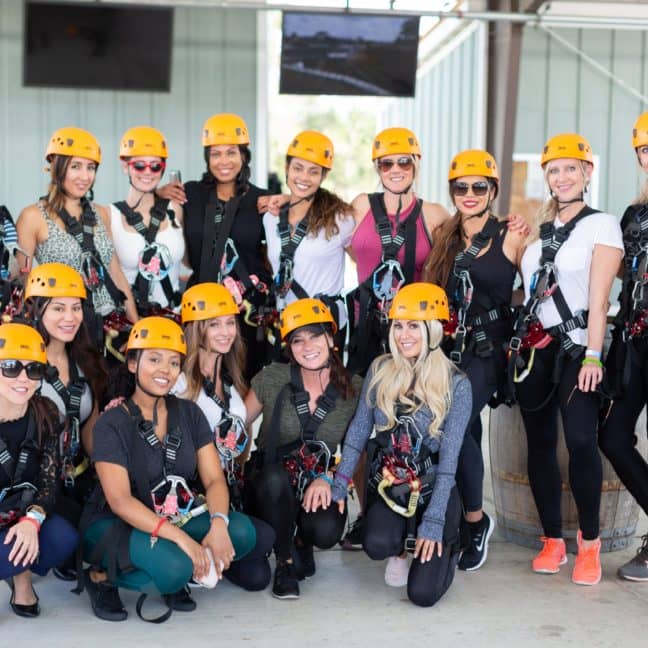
(90, 45)
(348, 54)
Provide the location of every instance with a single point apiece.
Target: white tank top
(129, 245)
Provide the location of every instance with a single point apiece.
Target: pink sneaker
(551, 556)
(587, 568)
(396, 571)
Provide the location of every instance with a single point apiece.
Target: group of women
(147, 467)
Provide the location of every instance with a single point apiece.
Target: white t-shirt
(573, 263)
(319, 262)
(85, 408)
(209, 407)
(129, 245)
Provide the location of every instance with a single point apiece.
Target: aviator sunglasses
(404, 163)
(154, 167)
(13, 368)
(478, 188)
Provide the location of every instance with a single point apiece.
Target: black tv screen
(342, 54)
(90, 45)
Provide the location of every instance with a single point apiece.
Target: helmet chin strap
(563, 204)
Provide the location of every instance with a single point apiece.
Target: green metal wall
(214, 69)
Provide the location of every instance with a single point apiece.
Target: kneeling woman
(213, 379)
(420, 405)
(307, 406)
(32, 539)
(146, 527)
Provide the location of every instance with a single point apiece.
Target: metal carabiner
(230, 258)
(387, 280)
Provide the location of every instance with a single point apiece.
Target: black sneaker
(637, 568)
(105, 600)
(304, 560)
(475, 555)
(285, 584)
(181, 600)
(352, 541)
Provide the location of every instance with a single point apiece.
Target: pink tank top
(368, 251)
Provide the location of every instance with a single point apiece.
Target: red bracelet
(35, 522)
(154, 533)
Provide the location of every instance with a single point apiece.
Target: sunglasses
(404, 163)
(13, 369)
(154, 167)
(478, 188)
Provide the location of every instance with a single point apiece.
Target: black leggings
(579, 411)
(275, 501)
(385, 533)
(617, 435)
(470, 469)
(252, 573)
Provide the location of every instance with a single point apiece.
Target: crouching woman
(148, 531)
(419, 404)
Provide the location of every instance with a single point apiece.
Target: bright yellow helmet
(567, 145)
(204, 301)
(73, 142)
(54, 280)
(395, 141)
(302, 313)
(225, 128)
(473, 162)
(21, 342)
(420, 301)
(144, 141)
(314, 147)
(640, 131)
(157, 333)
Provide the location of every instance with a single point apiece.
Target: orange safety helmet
(54, 280)
(420, 301)
(156, 333)
(314, 147)
(225, 128)
(21, 342)
(640, 131)
(72, 142)
(204, 301)
(395, 141)
(143, 140)
(473, 162)
(302, 313)
(567, 145)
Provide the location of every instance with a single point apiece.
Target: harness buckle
(284, 278)
(410, 544)
(455, 356)
(515, 344)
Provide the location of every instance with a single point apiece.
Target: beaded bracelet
(589, 360)
(326, 478)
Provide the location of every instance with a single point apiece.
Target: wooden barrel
(517, 515)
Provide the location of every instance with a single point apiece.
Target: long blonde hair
(549, 210)
(642, 199)
(425, 383)
(233, 360)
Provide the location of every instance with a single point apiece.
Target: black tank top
(492, 275)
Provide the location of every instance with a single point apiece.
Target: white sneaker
(396, 571)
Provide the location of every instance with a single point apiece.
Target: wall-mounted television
(348, 54)
(91, 45)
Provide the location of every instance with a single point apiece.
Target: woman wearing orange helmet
(146, 229)
(393, 236)
(419, 404)
(222, 226)
(75, 380)
(570, 262)
(66, 227)
(306, 245)
(475, 257)
(306, 406)
(212, 377)
(626, 361)
(32, 537)
(145, 528)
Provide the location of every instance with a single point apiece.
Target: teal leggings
(165, 568)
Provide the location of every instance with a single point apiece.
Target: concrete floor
(347, 604)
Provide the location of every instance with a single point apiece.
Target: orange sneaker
(551, 556)
(587, 568)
